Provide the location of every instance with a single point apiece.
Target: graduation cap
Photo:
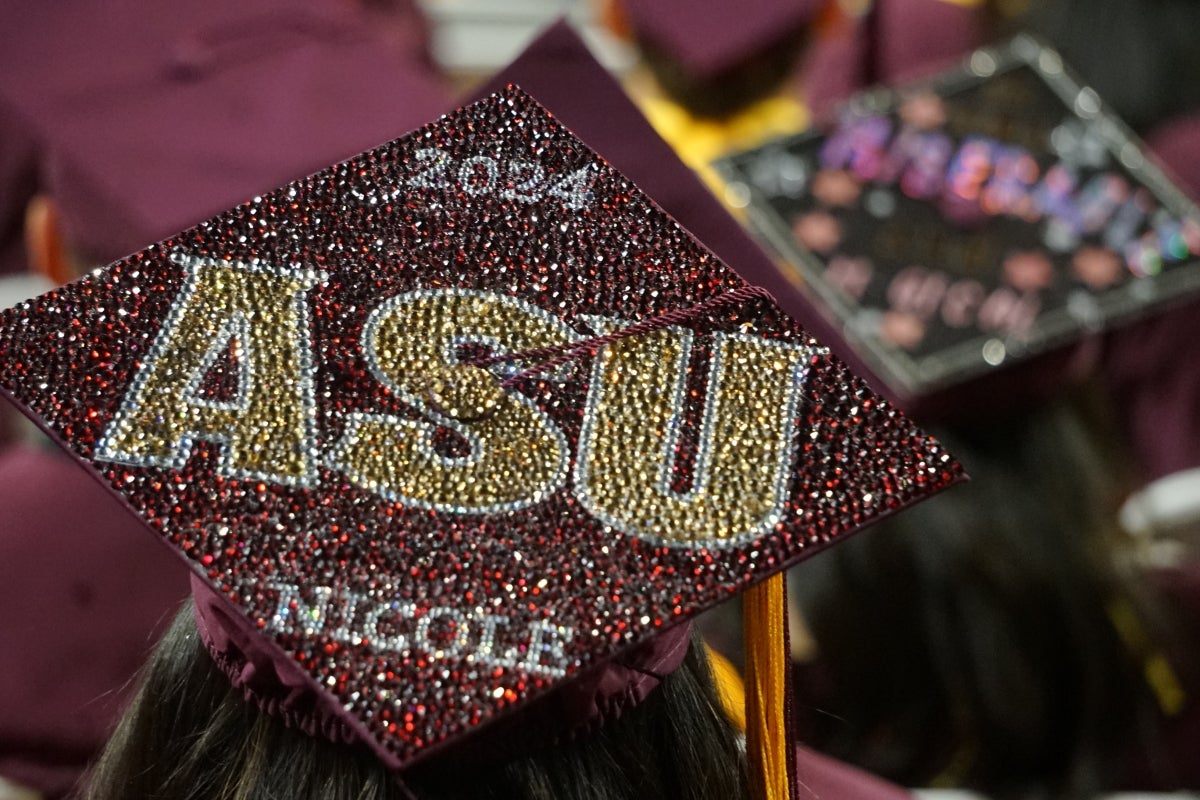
(117, 108)
(993, 215)
(715, 58)
(444, 429)
(709, 38)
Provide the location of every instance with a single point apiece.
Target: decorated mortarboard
(975, 219)
(444, 428)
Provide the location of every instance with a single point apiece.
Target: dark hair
(970, 641)
(189, 735)
(754, 78)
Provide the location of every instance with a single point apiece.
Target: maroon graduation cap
(707, 39)
(443, 429)
(117, 107)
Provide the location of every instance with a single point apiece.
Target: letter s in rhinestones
(517, 455)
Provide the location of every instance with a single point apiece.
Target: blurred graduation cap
(710, 38)
(390, 378)
(118, 106)
(80, 584)
(993, 215)
(715, 58)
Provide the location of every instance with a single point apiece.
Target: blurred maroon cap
(709, 37)
(149, 117)
(23, 36)
(79, 616)
(1176, 143)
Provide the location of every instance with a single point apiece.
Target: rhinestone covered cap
(332, 401)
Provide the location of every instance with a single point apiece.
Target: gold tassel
(767, 753)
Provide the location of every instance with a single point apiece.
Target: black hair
(733, 89)
(971, 641)
(189, 735)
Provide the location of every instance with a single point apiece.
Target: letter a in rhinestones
(632, 427)
(237, 311)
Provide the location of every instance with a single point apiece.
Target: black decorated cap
(974, 232)
(450, 424)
